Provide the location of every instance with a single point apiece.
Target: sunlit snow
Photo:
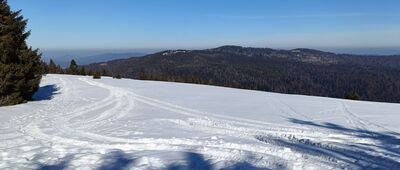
(80, 123)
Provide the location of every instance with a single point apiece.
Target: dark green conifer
(52, 67)
(21, 68)
(82, 71)
(90, 72)
(73, 68)
(104, 72)
(142, 75)
(60, 70)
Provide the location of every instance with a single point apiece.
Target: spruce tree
(20, 66)
(90, 72)
(142, 75)
(45, 67)
(73, 68)
(60, 70)
(82, 71)
(104, 72)
(52, 67)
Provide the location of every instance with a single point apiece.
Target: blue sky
(193, 24)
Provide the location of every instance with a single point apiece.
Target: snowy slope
(81, 123)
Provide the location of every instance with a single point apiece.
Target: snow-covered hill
(81, 123)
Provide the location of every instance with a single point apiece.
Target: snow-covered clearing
(81, 123)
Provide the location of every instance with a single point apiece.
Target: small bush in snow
(96, 75)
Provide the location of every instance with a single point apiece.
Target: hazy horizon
(55, 53)
(178, 24)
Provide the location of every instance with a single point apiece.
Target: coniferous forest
(298, 71)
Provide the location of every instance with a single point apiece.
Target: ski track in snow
(79, 130)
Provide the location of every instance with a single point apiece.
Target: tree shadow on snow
(360, 155)
(60, 165)
(116, 160)
(45, 92)
(388, 141)
(119, 160)
(195, 161)
(243, 166)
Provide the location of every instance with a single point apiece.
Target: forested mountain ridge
(297, 71)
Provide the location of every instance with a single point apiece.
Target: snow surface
(77, 122)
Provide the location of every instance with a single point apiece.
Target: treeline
(75, 69)
(345, 85)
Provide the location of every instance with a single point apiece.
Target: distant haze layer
(63, 57)
(84, 57)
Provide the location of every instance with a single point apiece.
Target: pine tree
(142, 75)
(82, 71)
(73, 68)
(60, 70)
(21, 68)
(90, 72)
(45, 67)
(104, 72)
(52, 67)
